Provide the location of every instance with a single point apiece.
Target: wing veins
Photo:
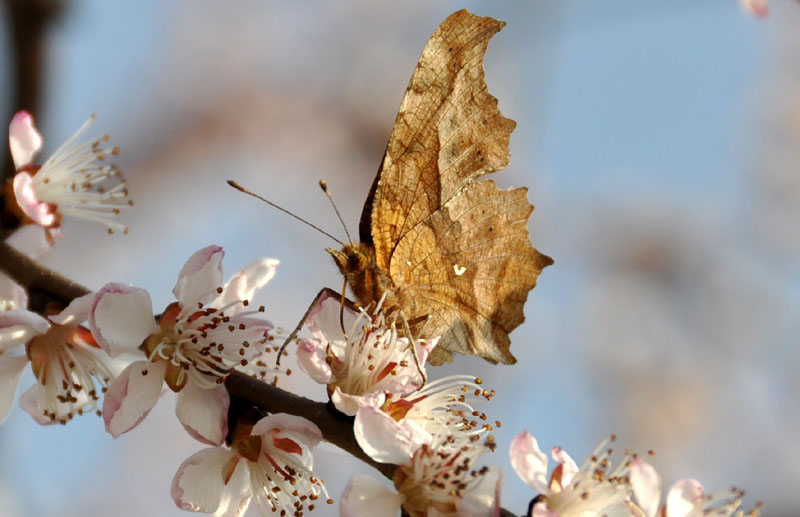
(475, 32)
(402, 231)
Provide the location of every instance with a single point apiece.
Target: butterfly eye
(354, 259)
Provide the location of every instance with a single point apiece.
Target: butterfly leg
(413, 340)
(341, 307)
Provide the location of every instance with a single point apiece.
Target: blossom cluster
(631, 488)
(78, 180)
(432, 431)
(110, 353)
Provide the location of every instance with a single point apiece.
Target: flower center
(68, 371)
(204, 344)
(437, 478)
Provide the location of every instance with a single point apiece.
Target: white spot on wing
(459, 269)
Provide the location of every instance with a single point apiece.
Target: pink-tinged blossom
(431, 482)
(758, 8)
(686, 498)
(78, 180)
(364, 363)
(71, 371)
(435, 475)
(442, 408)
(269, 463)
(596, 488)
(194, 345)
(371, 372)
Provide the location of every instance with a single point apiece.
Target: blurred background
(660, 142)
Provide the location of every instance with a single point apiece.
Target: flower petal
(300, 427)
(529, 462)
(367, 496)
(23, 318)
(237, 494)
(17, 327)
(32, 239)
(40, 212)
(683, 496)
(199, 484)
(350, 404)
(323, 320)
(384, 439)
(483, 500)
(311, 358)
(253, 277)
(568, 466)
(646, 485)
(32, 402)
(131, 397)
(200, 277)
(48, 411)
(121, 317)
(76, 312)
(11, 369)
(204, 412)
(23, 139)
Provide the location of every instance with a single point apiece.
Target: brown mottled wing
(448, 131)
(469, 267)
(458, 249)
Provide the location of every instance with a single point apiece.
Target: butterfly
(445, 250)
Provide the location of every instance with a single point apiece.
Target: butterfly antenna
(270, 203)
(324, 187)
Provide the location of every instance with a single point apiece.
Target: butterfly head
(365, 278)
(352, 257)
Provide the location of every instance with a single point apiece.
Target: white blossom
(70, 368)
(78, 180)
(363, 362)
(686, 498)
(196, 343)
(595, 489)
(269, 462)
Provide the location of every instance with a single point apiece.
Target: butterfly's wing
(448, 131)
(458, 247)
(469, 268)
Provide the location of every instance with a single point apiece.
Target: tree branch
(44, 285)
(337, 428)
